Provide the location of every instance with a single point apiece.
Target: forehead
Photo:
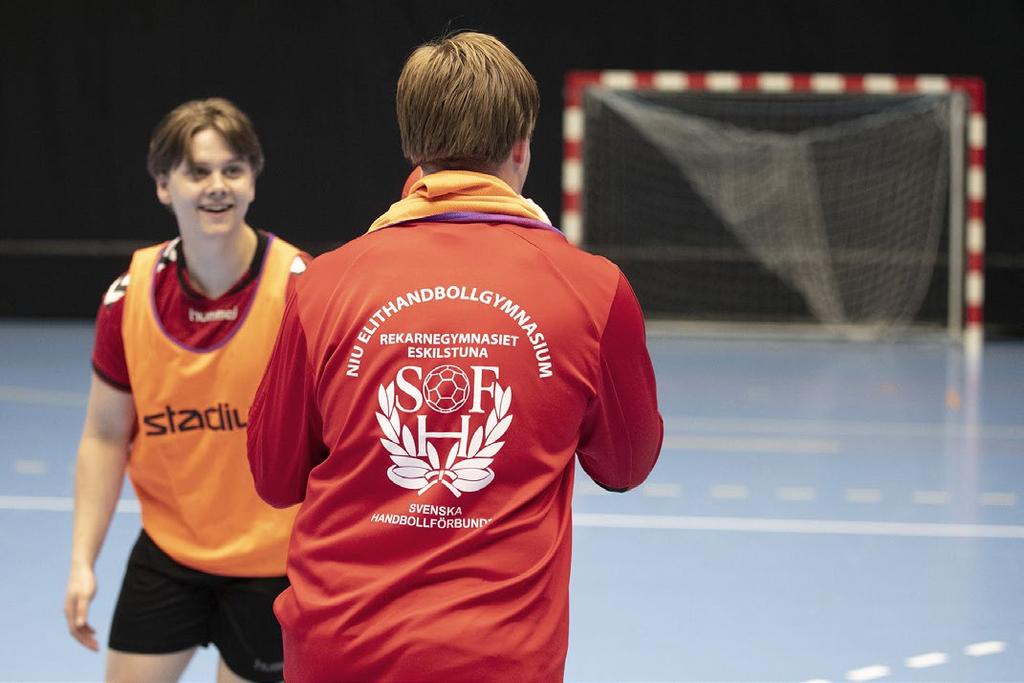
(209, 146)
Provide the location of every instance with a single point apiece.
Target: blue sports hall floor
(822, 511)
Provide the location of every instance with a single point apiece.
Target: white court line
(585, 487)
(832, 527)
(863, 495)
(663, 490)
(750, 444)
(729, 492)
(57, 504)
(841, 427)
(868, 673)
(42, 503)
(30, 467)
(989, 647)
(922, 661)
(931, 497)
(668, 522)
(796, 493)
(998, 499)
(928, 659)
(46, 397)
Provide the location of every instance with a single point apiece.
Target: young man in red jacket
(431, 386)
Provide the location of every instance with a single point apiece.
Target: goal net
(843, 210)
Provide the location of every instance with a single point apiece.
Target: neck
(510, 172)
(217, 263)
(507, 172)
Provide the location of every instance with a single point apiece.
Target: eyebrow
(232, 160)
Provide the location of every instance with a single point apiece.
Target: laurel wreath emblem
(461, 472)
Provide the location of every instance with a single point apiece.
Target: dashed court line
(729, 492)
(665, 490)
(47, 397)
(931, 497)
(798, 494)
(989, 647)
(868, 673)
(862, 496)
(834, 428)
(30, 467)
(998, 499)
(750, 444)
(58, 504)
(586, 487)
(669, 522)
(734, 492)
(722, 491)
(827, 527)
(926, 660)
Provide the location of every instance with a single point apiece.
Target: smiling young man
(429, 417)
(181, 341)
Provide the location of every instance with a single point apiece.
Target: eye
(234, 171)
(198, 172)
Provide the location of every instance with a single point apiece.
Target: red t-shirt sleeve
(622, 429)
(108, 359)
(284, 435)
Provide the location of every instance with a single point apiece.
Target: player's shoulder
(339, 257)
(300, 261)
(167, 256)
(560, 250)
(117, 289)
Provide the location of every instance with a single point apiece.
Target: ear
(520, 148)
(162, 193)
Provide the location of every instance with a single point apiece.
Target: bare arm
(99, 474)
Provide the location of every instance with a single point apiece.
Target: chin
(205, 228)
(219, 227)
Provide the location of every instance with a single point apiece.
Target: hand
(81, 589)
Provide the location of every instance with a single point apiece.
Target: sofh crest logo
(416, 462)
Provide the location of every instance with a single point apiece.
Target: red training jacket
(430, 386)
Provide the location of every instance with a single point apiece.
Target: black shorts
(165, 607)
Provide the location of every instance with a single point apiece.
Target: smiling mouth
(216, 209)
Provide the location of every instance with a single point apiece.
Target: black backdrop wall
(83, 83)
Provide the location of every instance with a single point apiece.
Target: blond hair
(172, 138)
(463, 100)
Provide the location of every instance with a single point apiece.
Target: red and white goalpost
(966, 199)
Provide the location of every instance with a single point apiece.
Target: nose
(215, 186)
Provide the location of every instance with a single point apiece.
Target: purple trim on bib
(474, 217)
(238, 326)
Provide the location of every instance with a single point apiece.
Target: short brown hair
(463, 101)
(171, 140)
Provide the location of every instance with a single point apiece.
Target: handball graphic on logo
(416, 463)
(446, 388)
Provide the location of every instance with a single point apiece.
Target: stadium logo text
(219, 418)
